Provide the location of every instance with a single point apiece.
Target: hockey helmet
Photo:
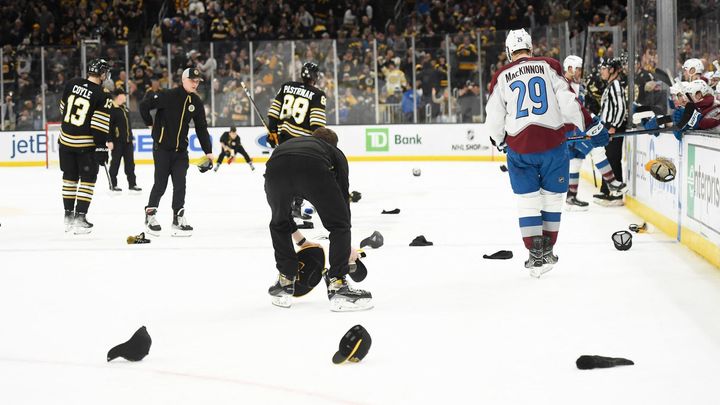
(700, 86)
(613, 63)
(517, 40)
(572, 61)
(311, 263)
(97, 67)
(678, 88)
(310, 71)
(694, 63)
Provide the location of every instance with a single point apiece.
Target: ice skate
(152, 226)
(116, 189)
(180, 226)
(80, 225)
(617, 188)
(549, 258)
(135, 189)
(344, 298)
(282, 291)
(535, 261)
(573, 204)
(69, 217)
(607, 200)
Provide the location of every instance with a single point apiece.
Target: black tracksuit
(318, 172)
(120, 129)
(175, 108)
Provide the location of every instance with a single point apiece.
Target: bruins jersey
(228, 141)
(297, 110)
(85, 113)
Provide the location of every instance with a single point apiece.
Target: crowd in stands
(164, 37)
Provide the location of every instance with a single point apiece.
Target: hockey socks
(575, 165)
(84, 196)
(69, 192)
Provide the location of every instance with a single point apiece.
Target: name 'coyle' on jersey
(85, 111)
(533, 103)
(297, 110)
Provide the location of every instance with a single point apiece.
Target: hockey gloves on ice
(101, 155)
(599, 135)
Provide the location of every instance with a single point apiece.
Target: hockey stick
(257, 110)
(107, 173)
(663, 119)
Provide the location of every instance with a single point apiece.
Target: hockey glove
(651, 123)
(272, 139)
(677, 115)
(599, 135)
(501, 148)
(101, 155)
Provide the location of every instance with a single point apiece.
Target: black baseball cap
(354, 345)
(192, 73)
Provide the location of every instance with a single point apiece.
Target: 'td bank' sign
(378, 139)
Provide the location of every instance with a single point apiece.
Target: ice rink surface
(448, 326)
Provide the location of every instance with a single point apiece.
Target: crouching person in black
(316, 170)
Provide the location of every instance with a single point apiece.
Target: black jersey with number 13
(85, 111)
(297, 110)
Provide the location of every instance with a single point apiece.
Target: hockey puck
(503, 168)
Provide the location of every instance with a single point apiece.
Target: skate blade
(181, 234)
(151, 232)
(537, 272)
(576, 208)
(282, 301)
(81, 231)
(342, 305)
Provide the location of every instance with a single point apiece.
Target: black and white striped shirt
(613, 105)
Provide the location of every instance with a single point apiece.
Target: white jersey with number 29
(533, 103)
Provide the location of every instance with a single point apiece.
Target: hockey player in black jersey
(297, 110)
(84, 142)
(230, 144)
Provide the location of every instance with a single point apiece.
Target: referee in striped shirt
(613, 111)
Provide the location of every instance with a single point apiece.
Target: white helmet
(573, 61)
(698, 86)
(678, 88)
(694, 63)
(517, 40)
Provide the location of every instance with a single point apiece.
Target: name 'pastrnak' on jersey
(297, 110)
(85, 111)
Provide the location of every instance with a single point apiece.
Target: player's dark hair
(327, 135)
(233, 129)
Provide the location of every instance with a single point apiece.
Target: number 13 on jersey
(535, 90)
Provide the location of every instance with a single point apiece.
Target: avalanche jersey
(533, 104)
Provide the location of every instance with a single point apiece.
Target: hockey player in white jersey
(530, 110)
(572, 66)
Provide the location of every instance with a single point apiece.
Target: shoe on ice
(180, 225)
(152, 226)
(116, 189)
(80, 225)
(344, 298)
(282, 291)
(135, 188)
(573, 204)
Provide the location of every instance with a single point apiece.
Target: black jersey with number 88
(297, 110)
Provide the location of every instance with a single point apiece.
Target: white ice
(448, 326)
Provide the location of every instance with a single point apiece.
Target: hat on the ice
(354, 345)
(358, 271)
(394, 211)
(355, 196)
(134, 349)
(205, 164)
(192, 73)
(421, 241)
(500, 254)
(311, 263)
(622, 240)
(586, 362)
(374, 241)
